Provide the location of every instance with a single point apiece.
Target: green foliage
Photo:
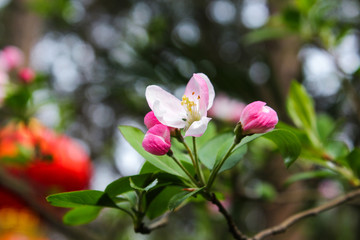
(135, 136)
(81, 215)
(179, 198)
(300, 108)
(81, 198)
(160, 203)
(309, 175)
(288, 144)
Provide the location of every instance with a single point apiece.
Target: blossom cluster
(12, 63)
(191, 114)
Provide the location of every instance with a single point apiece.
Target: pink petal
(166, 107)
(210, 88)
(27, 75)
(198, 128)
(150, 120)
(258, 118)
(157, 140)
(197, 91)
(12, 56)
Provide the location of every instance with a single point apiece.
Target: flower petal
(210, 88)
(150, 120)
(198, 128)
(166, 107)
(157, 140)
(197, 91)
(258, 118)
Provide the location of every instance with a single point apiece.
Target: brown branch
(282, 227)
(26, 193)
(236, 233)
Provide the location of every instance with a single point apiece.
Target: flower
(191, 112)
(157, 140)
(150, 120)
(257, 118)
(27, 75)
(11, 57)
(226, 109)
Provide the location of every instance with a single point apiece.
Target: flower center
(192, 109)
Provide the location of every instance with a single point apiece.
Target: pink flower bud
(150, 120)
(257, 118)
(11, 57)
(27, 75)
(157, 140)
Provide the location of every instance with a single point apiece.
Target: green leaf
(288, 144)
(291, 18)
(81, 198)
(236, 154)
(325, 126)
(147, 188)
(301, 110)
(176, 200)
(336, 149)
(81, 215)
(135, 137)
(353, 159)
(160, 203)
(148, 168)
(215, 149)
(265, 191)
(142, 182)
(264, 34)
(208, 153)
(309, 175)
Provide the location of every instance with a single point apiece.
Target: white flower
(191, 112)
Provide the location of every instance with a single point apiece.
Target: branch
(26, 193)
(282, 227)
(236, 233)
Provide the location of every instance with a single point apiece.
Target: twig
(21, 189)
(282, 227)
(142, 228)
(236, 233)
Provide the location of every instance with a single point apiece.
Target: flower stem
(192, 160)
(217, 168)
(197, 166)
(170, 154)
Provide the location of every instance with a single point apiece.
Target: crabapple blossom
(157, 140)
(257, 118)
(11, 57)
(27, 75)
(150, 120)
(189, 113)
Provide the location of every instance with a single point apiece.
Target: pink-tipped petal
(198, 128)
(210, 89)
(166, 107)
(150, 120)
(258, 118)
(157, 140)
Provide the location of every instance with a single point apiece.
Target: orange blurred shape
(18, 224)
(47, 161)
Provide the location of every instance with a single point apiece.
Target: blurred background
(94, 59)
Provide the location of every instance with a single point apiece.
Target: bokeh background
(96, 58)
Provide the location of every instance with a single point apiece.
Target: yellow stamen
(189, 104)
